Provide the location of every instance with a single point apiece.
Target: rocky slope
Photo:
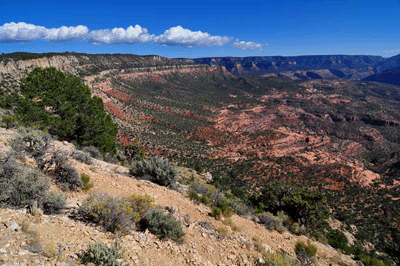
(38, 239)
(337, 135)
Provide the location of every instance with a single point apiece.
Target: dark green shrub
(86, 184)
(219, 200)
(193, 195)
(216, 213)
(54, 202)
(305, 252)
(225, 208)
(205, 199)
(20, 186)
(9, 120)
(102, 255)
(67, 177)
(370, 261)
(337, 239)
(115, 213)
(157, 170)
(163, 225)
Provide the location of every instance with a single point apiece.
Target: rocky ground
(28, 238)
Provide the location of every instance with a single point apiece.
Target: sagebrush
(115, 214)
(163, 225)
(102, 255)
(157, 170)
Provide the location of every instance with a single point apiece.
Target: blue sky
(202, 28)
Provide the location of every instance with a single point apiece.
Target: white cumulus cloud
(247, 45)
(130, 35)
(392, 51)
(22, 31)
(183, 37)
(174, 36)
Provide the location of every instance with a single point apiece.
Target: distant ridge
(245, 66)
(391, 76)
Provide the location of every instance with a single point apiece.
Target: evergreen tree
(62, 104)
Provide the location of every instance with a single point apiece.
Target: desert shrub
(34, 143)
(193, 195)
(115, 213)
(222, 231)
(216, 213)
(20, 186)
(337, 239)
(205, 199)
(9, 167)
(86, 184)
(239, 207)
(54, 202)
(276, 259)
(201, 192)
(102, 255)
(157, 170)
(34, 244)
(296, 229)
(163, 225)
(110, 159)
(267, 219)
(271, 221)
(217, 197)
(55, 160)
(230, 223)
(225, 208)
(82, 157)
(67, 177)
(93, 151)
(134, 152)
(305, 252)
(202, 188)
(304, 205)
(373, 261)
(9, 120)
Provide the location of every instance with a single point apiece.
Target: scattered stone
(13, 226)
(23, 252)
(172, 209)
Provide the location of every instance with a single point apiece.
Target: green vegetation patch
(63, 105)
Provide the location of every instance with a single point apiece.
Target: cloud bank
(131, 35)
(184, 37)
(392, 51)
(175, 36)
(247, 45)
(22, 32)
